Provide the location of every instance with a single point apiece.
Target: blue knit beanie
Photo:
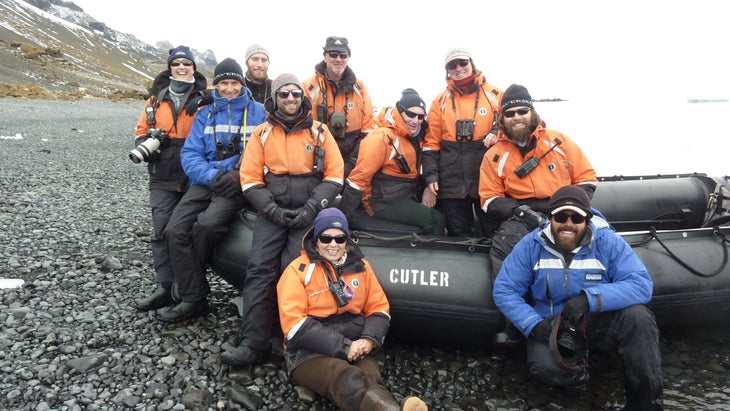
(330, 218)
(181, 52)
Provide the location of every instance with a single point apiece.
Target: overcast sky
(633, 50)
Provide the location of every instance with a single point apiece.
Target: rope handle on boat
(716, 232)
(414, 239)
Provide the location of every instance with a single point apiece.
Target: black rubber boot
(161, 297)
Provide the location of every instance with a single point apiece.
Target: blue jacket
(220, 121)
(606, 269)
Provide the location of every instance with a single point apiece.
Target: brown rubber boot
(379, 399)
(413, 404)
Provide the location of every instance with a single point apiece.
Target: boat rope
(715, 232)
(415, 239)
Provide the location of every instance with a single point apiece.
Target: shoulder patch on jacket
(495, 158)
(302, 266)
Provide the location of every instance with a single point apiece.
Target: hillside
(52, 49)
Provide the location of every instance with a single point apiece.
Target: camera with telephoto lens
(525, 168)
(339, 293)
(338, 124)
(464, 130)
(143, 151)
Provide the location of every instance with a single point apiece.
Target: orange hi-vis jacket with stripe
(311, 320)
(562, 162)
(377, 173)
(451, 159)
(349, 96)
(283, 162)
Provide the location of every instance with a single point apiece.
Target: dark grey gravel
(74, 224)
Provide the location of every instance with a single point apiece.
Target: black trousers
(633, 333)
(162, 203)
(199, 221)
(273, 247)
(459, 215)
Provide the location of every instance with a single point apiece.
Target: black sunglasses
(184, 63)
(563, 217)
(453, 63)
(326, 238)
(334, 55)
(520, 111)
(414, 115)
(285, 93)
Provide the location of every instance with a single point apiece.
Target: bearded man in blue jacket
(575, 284)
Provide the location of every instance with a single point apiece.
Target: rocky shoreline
(76, 228)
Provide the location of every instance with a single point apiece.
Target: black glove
(542, 330)
(350, 201)
(531, 218)
(195, 102)
(281, 216)
(227, 184)
(160, 135)
(575, 308)
(305, 215)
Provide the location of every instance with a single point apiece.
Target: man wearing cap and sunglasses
(340, 99)
(520, 173)
(582, 276)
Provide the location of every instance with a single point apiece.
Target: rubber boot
(378, 399)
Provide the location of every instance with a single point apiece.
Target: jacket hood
(390, 117)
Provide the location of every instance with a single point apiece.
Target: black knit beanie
(516, 95)
(228, 69)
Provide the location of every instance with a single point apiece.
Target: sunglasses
(334, 55)
(460, 62)
(414, 115)
(520, 111)
(184, 63)
(563, 217)
(326, 238)
(285, 93)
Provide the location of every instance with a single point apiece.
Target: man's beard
(519, 136)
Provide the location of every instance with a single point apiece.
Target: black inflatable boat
(440, 289)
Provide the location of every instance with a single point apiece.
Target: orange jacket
(565, 164)
(377, 158)
(349, 96)
(284, 163)
(453, 163)
(163, 116)
(303, 292)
